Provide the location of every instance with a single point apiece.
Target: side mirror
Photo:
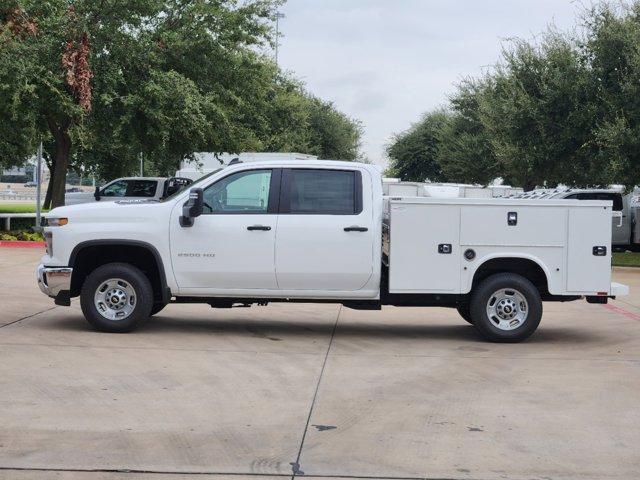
(193, 207)
(96, 194)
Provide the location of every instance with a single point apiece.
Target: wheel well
(86, 259)
(521, 266)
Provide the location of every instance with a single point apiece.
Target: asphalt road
(314, 390)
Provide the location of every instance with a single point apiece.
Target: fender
(165, 292)
(498, 255)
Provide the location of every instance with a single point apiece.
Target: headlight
(54, 222)
(48, 240)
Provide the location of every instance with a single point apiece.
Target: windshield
(194, 184)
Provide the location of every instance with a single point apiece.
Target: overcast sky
(385, 62)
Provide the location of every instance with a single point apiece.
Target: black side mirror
(96, 194)
(193, 207)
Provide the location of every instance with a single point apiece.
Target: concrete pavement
(314, 390)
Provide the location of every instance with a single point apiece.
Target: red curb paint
(21, 244)
(622, 311)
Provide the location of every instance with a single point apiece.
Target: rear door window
(318, 192)
(141, 188)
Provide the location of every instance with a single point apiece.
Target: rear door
(325, 231)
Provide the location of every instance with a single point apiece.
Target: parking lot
(314, 390)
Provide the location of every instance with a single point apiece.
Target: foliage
(101, 82)
(21, 235)
(465, 153)
(10, 207)
(625, 259)
(563, 109)
(414, 153)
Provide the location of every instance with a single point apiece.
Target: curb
(21, 244)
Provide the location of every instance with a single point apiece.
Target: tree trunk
(60, 162)
(47, 197)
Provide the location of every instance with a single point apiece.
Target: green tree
(465, 153)
(538, 111)
(611, 46)
(333, 135)
(414, 153)
(104, 80)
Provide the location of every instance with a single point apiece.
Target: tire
(116, 298)
(157, 308)
(506, 308)
(464, 310)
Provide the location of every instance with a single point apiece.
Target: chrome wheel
(507, 309)
(115, 299)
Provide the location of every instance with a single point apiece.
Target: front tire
(116, 298)
(157, 308)
(464, 309)
(506, 307)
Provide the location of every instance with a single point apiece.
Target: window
(130, 188)
(115, 189)
(332, 192)
(242, 192)
(616, 198)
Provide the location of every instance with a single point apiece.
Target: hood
(104, 208)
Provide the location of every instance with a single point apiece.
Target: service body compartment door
(425, 250)
(531, 226)
(589, 227)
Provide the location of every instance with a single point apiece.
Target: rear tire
(116, 298)
(506, 307)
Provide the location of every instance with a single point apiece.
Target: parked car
(131, 188)
(621, 223)
(31, 184)
(321, 231)
(73, 190)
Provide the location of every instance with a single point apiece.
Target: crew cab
(130, 188)
(322, 231)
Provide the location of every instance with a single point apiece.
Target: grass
(626, 259)
(17, 208)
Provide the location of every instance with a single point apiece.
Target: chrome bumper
(53, 280)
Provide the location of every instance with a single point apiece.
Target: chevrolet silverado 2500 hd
(321, 231)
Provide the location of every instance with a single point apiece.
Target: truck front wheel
(506, 307)
(464, 310)
(116, 297)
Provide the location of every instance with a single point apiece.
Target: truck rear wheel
(116, 298)
(506, 307)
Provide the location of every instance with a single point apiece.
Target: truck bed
(435, 245)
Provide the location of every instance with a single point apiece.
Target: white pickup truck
(321, 231)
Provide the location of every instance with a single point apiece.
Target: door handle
(258, 227)
(355, 229)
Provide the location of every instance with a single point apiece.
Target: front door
(325, 230)
(231, 245)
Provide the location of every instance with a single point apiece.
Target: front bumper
(54, 280)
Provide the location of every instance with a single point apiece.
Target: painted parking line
(622, 311)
